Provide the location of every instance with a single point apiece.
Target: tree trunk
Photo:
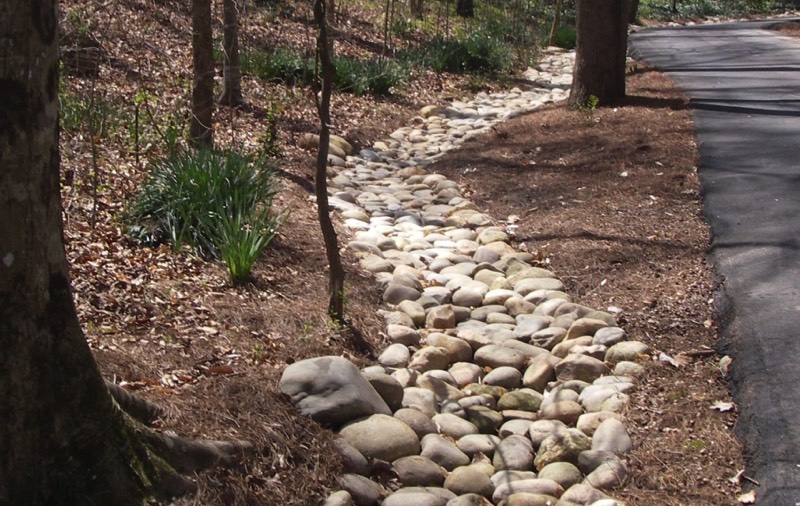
(232, 77)
(417, 8)
(201, 129)
(556, 22)
(63, 440)
(335, 269)
(673, 5)
(602, 30)
(633, 11)
(465, 8)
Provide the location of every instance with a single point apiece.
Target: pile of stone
(496, 387)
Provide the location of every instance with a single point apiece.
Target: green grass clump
(217, 202)
(566, 37)
(362, 77)
(476, 53)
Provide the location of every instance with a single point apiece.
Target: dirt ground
(607, 198)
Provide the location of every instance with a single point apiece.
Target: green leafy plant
(217, 202)
(361, 77)
(588, 108)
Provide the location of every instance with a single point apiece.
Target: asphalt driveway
(744, 85)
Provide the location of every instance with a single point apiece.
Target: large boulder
(331, 390)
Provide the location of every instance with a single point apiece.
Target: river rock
(381, 437)
(416, 470)
(563, 473)
(331, 390)
(443, 452)
(514, 453)
(563, 445)
(363, 491)
(468, 480)
(581, 367)
(612, 436)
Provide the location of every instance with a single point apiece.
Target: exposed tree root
(140, 409)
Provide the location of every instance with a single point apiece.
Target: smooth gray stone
(420, 399)
(521, 400)
(416, 470)
(478, 443)
(363, 491)
(429, 358)
(581, 367)
(331, 390)
(541, 429)
(469, 500)
(514, 453)
(457, 350)
(469, 480)
(486, 419)
(608, 475)
(352, 460)
(497, 356)
(381, 437)
(627, 351)
(465, 373)
(407, 495)
(582, 493)
(563, 473)
(395, 355)
(443, 452)
(532, 486)
(609, 336)
(454, 426)
(504, 376)
(420, 423)
(339, 498)
(612, 436)
(390, 390)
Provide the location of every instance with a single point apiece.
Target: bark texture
(232, 77)
(201, 128)
(63, 439)
(335, 269)
(602, 30)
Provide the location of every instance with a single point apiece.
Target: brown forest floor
(608, 198)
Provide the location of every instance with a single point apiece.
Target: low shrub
(217, 202)
(374, 77)
(476, 53)
(566, 37)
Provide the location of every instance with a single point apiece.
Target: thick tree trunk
(201, 129)
(63, 439)
(232, 77)
(556, 22)
(633, 11)
(602, 28)
(335, 269)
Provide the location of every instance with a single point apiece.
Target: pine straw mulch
(609, 200)
(169, 326)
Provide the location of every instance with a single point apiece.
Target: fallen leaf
(724, 364)
(220, 369)
(680, 360)
(748, 498)
(723, 407)
(737, 478)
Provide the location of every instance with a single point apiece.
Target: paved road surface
(744, 84)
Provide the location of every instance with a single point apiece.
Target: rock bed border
(492, 371)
